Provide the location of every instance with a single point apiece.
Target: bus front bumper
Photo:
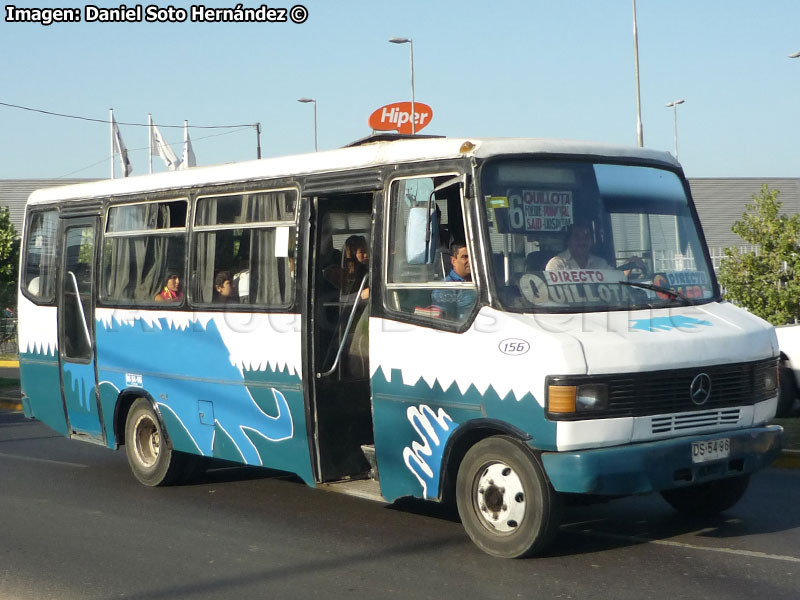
(659, 465)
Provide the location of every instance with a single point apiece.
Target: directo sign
(397, 116)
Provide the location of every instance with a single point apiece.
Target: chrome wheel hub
(500, 498)
(147, 440)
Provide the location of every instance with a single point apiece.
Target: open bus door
(77, 357)
(337, 322)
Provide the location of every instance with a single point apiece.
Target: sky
(529, 68)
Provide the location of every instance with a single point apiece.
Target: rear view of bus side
(500, 323)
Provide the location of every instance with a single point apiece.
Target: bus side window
(426, 290)
(248, 240)
(39, 277)
(145, 243)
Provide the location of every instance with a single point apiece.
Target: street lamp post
(674, 106)
(639, 132)
(411, 47)
(306, 101)
(794, 55)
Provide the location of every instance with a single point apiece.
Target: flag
(119, 148)
(188, 154)
(161, 148)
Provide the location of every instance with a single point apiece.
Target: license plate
(710, 450)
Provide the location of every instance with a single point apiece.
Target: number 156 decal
(514, 346)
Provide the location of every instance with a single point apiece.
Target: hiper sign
(397, 116)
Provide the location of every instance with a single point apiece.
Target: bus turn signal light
(561, 398)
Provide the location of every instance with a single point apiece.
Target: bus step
(369, 454)
(368, 489)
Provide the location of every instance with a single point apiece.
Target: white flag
(161, 148)
(188, 154)
(119, 148)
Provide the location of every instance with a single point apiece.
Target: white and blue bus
(221, 313)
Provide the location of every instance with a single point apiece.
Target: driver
(578, 253)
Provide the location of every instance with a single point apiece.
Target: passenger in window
(171, 291)
(355, 265)
(456, 304)
(224, 290)
(459, 258)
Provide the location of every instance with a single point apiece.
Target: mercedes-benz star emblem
(700, 390)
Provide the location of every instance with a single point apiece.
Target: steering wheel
(635, 270)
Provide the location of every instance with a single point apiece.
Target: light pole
(674, 106)
(794, 55)
(306, 101)
(411, 47)
(639, 133)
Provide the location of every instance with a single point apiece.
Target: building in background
(14, 194)
(722, 201)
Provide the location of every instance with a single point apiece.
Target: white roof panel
(368, 155)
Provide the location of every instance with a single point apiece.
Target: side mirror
(420, 250)
(422, 229)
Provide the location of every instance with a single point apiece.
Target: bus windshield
(582, 236)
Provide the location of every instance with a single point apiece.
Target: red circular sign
(397, 117)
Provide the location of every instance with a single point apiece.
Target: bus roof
(369, 154)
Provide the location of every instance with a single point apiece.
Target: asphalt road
(75, 524)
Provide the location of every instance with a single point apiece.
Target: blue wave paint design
(424, 460)
(188, 365)
(81, 398)
(669, 323)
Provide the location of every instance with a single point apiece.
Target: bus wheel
(505, 501)
(707, 499)
(150, 456)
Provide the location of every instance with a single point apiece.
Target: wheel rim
(499, 498)
(147, 440)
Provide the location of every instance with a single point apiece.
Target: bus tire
(707, 499)
(150, 456)
(506, 503)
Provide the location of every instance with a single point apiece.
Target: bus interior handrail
(346, 330)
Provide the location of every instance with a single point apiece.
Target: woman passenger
(355, 265)
(171, 292)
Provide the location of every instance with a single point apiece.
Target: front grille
(699, 420)
(664, 392)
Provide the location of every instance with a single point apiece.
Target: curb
(12, 405)
(9, 363)
(788, 459)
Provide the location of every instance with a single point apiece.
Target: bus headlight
(570, 399)
(593, 396)
(770, 379)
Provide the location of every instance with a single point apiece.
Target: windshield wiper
(657, 288)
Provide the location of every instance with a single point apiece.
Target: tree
(9, 260)
(767, 282)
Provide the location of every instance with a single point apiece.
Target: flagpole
(188, 159)
(185, 156)
(150, 140)
(111, 128)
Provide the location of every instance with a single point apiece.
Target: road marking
(43, 460)
(643, 540)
